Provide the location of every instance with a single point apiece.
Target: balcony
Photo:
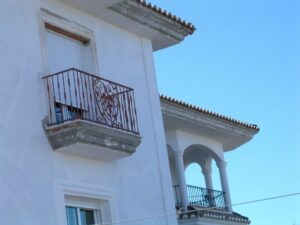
(90, 116)
(206, 206)
(201, 197)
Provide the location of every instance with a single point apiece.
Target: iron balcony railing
(75, 94)
(202, 197)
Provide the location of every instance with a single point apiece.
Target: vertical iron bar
(125, 111)
(50, 110)
(78, 74)
(60, 102)
(64, 114)
(95, 98)
(120, 110)
(135, 114)
(54, 98)
(85, 97)
(75, 91)
(132, 111)
(91, 98)
(129, 110)
(69, 84)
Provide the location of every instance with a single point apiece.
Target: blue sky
(244, 61)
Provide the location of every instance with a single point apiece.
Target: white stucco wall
(33, 178)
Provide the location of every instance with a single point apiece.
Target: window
(65, 112)
(82, 216)
(83, 211)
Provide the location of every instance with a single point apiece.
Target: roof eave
(161, 27)
(227, 119)
(229, 134)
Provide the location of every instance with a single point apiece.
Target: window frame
(96, 214)
(82, 203)
(67, 192)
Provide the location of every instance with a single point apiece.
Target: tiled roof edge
(191, 28)
(211, 113)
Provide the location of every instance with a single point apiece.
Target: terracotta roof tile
(191, 28)
(208, 112)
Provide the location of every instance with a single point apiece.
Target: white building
(90, 145)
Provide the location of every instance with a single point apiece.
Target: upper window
(64, 49)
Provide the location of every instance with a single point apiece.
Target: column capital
(221, 164)
(178, 153)
(207, 171)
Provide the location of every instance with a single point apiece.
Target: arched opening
(216, 176)
(194, 175)
(202, 177)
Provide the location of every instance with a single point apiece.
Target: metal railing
(202, 197)
(75, 94)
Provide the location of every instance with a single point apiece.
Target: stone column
(224, 183)
(209, 185)
(208, 179)
(181, 179)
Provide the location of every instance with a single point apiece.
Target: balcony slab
(200, 216)
(91, 140)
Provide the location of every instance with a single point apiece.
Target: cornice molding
(183, 113)
(163, 24)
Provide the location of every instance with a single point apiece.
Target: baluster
(64, 113)
(80, 105)
(95, 80)
(50, 110)
(119, 108)
(91, 94)
(129, 110)
(132, 111)
(75, 89)
(58, 115)
(69, 86)
(79, 87)
(125, 111)
(81, 94)
(54, 98)
(87, 98)
(135, 114)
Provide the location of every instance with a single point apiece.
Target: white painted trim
(74, 189)
(82, 202)
(88, 191)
